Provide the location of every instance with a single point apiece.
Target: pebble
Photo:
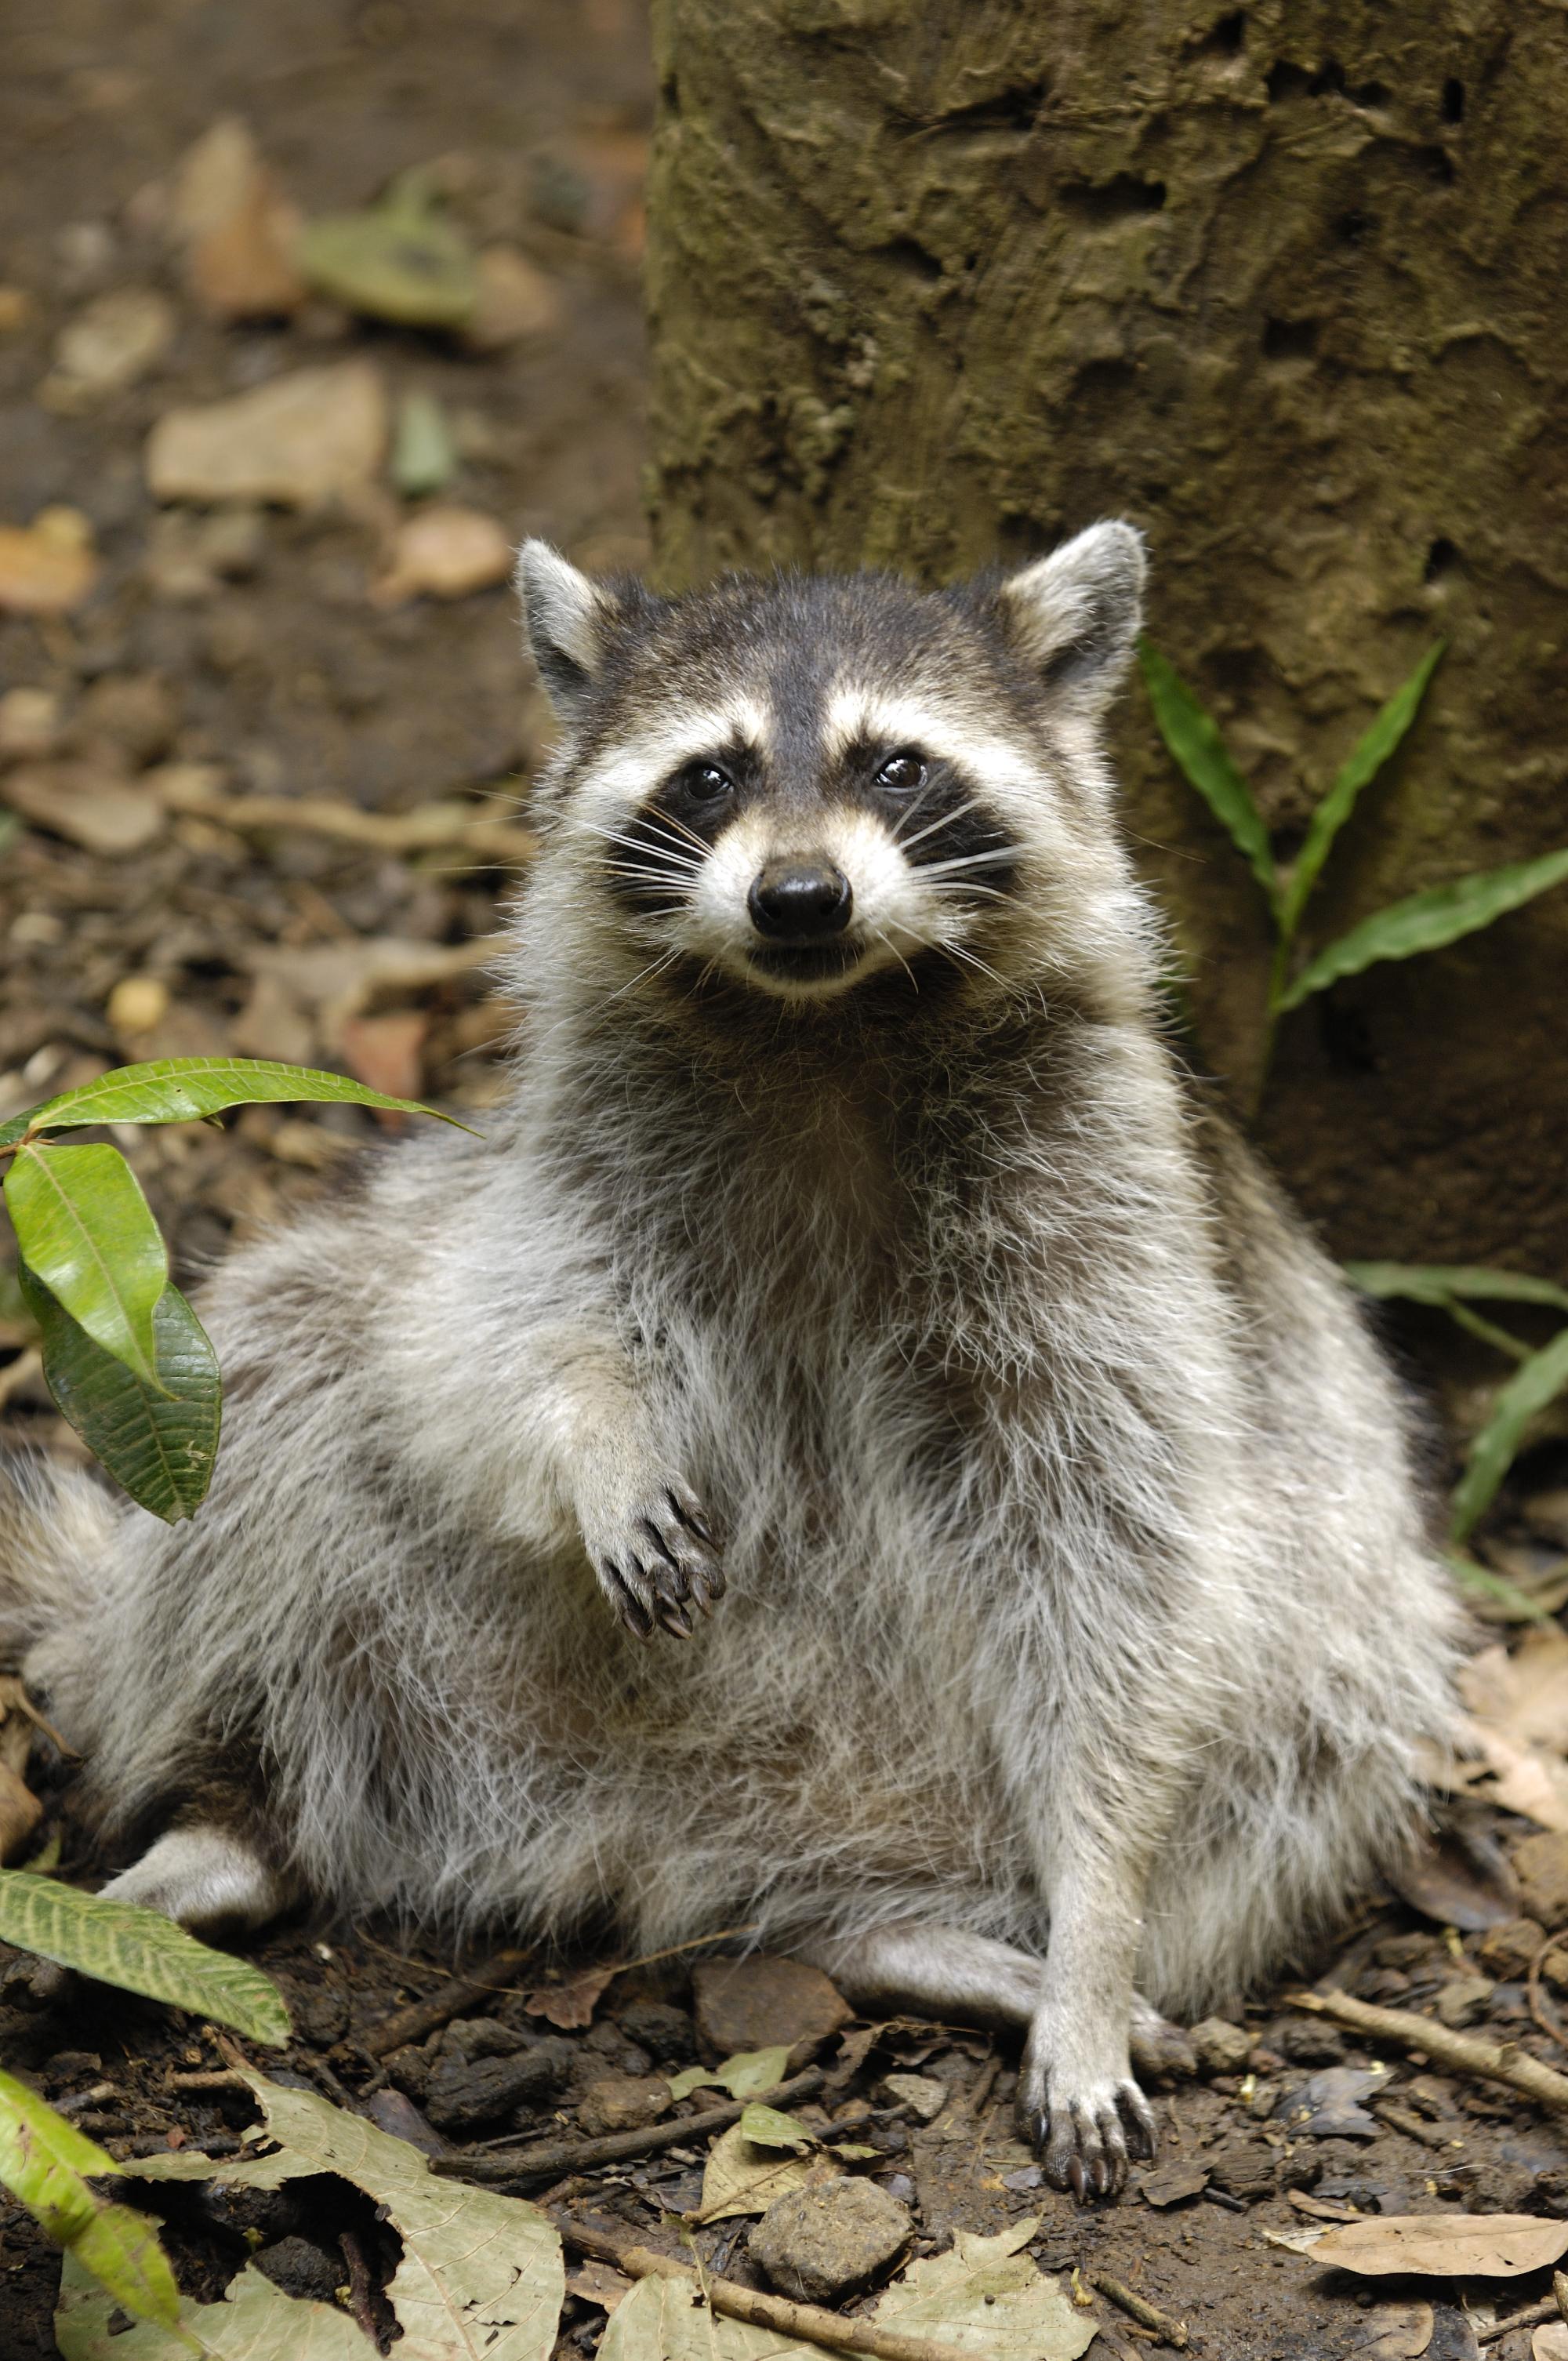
(622, 2102)
(298, 441)
(1219, 2046)
(923, 2095)
(666, 2033)
(827, 2241)
(758, 2003)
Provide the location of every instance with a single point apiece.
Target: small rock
(1406, 1950)
(444, 552)
(1508, 1950)
(29, 724)
(1219, 2046)
(47, 568)
(1540, 1864)
(298, 441)
(1328, 2104)
(87, 805)
(459, 2096)
(623, 2103)
(467, 2038)
(923, 2095)
(136, 1004)
(899, 2185)
(827, 2241)
(410, 2067)
(758, 2003)
(300, 2270)
(390, 2111)
(1464, 2001)
(321, 2012)
(1170, 2184)
(134, 713)
(515, 299)
(1305, 2041)
(667, 2034)
(1243, 2169)
(116, 341)
(237, 228)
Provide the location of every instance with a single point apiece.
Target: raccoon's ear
(568, 621)
(1073, 616)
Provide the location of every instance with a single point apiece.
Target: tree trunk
(935, 282)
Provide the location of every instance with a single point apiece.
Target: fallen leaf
(400, 260)
(1460, 1878)
(600, 2283)
(444, 553)
(1169, 2185)
(238, 229)
(1550, 2341)
(515, 299)
(744, 2076)
(336, 981)
(1522, 1692)
(479, 2274)
(741, 2178)
(571, 2003)
(987, 2297)
(1438, 2245)
(111, 344)
(1327, 2107)
(1393, 2331)
(385, 1052)
(666, 2320)
(253, 2321)
(97, 809)
(49, 567)
(298, 441)
(771, 2127)
(29, 723)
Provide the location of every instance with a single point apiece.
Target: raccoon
(859, 1448)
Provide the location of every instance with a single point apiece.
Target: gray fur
(1076, 1583)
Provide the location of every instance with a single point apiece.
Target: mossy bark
(935, 284)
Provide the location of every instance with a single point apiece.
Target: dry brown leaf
(598, 2283)
(49, 567)
(299, 441)
(1438, 2245)
(1522, 1692)
(1394, 2331)
(571, 2003)
(1550, 2341)
(97, 809)
(444, 553)
(741, 2178)
(238, 229)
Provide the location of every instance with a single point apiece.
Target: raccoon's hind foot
(1086, 2118)
(658, 1561)
(212, 1881)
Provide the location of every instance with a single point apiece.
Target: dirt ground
(221, 658)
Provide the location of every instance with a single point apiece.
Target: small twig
(1494, 2062)
(360, 2284)
(1138, 2307)
(551, 2158)
(428, 826)
(1402, 2119)
(499, 1973)
(1531, 2317)
(212, 2078)
(778, 2312)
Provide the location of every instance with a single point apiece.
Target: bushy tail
(54, 1524)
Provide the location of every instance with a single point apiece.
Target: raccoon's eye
(902, 774)
(705, 782)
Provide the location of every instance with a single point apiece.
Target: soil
(279, 673)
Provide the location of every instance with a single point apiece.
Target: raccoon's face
(800, 785)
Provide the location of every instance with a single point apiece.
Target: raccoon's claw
(667, 1566)
(1085, 2143)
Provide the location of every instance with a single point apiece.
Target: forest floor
(215, 657)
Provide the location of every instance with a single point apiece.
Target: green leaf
(1193, 737)
(1534, 1384)
(157, 1440)
(770, 2128)
(42, 2161)
(1426, 921)
(139, 1950)
(182, 1090)
(87, 1232)
(424, 457)
(1434, 1283)
(744, 2076)
(398, 261)
(1366, 758)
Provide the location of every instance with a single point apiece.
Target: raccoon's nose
(800, 901)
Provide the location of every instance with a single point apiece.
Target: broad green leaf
(140, 1951)
(1434, 1283)
(1193, 737)
(770, 2128)
(180, 1089)
(741, 2178)
(1362, 765)
(745, 2076)
(253, 2321)
(481, 2276)
(1426, 921)
(1534, 1385)
(42, 2161)
(400, 261)
(158, 1442)
(86, 1232)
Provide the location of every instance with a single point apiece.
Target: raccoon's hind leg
(212, 1880)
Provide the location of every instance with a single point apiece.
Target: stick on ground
(776, 2311)
(1494, 2062)
(1137, 2307)
(495, 1974)
(553, 2159)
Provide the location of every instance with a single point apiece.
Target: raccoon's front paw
(1084, 2124)
(660, 1563)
